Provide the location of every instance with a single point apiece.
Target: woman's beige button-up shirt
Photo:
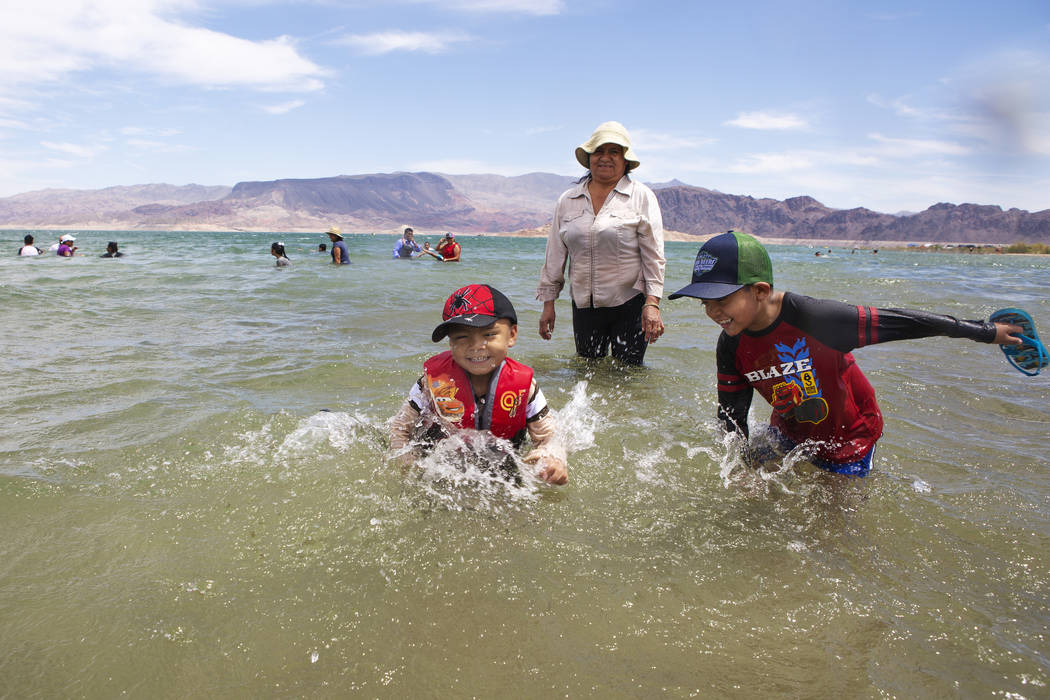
(612, 256)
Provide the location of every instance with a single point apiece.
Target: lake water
(181, 519)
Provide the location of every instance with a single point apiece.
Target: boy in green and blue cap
(795, 351)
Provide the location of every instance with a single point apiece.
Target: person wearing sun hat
(340, 253)
(796, 352)
(475, 385)
(608, 229)
(66, 249)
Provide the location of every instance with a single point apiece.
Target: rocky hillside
(701, 211)
(489, 203)
(59, 207)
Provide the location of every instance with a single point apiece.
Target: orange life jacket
(453, 396)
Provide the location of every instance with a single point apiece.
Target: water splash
(578, 420)
(333, 429)
(761, 462)
(474, 470)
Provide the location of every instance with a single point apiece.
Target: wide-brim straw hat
(335, 231)
(608, 132)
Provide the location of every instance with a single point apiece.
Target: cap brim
(474, 320)
(706, 290)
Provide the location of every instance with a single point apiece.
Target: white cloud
(896, 147)
(771, 163)
(12, 124)
(74, 149)
(284, 107)
(770, 121)
(643, 140)
(464, 166)
(158, 146)
(537, 130)
(51, 40)
(528, 7)
(146, 131)
(386, 42)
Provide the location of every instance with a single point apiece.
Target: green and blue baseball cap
(726, 263)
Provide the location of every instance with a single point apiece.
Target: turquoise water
(181, 519)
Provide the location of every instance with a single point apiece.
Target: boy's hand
(1006, 334)
(553, 469)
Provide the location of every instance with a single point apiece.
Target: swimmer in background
(28, 249)
(340, 253)
(428, 251)
(66, 249)
(448, 249)
(277, 251)
(406, 246)
(111, 251)
(474, 384)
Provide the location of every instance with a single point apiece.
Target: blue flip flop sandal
(1030, 356)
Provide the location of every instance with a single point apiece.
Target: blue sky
(890, 105)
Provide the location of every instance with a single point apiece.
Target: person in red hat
(475, 385)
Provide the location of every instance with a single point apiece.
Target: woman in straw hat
(340, 253)
(609, 229)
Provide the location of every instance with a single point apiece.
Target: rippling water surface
(182, 519)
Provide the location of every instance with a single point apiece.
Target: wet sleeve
(734, 393)
(402, 425)
(651, 245)
(846, 327)
(552, 274)
(537, 407)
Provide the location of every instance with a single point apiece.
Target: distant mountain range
(488, 203)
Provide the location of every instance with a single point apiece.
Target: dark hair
(112, 244)
(322, 247)
(28, 240)
(276, 247)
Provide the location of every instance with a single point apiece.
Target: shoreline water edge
(542, 232)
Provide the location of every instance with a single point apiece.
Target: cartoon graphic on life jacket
(799, 396)
(443, 391)
(510, 402)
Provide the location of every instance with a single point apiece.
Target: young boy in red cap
(474, 384)
(795, 351)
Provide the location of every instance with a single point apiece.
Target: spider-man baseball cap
(726, 263)
(477, 305)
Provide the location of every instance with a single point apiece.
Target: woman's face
(607, 163)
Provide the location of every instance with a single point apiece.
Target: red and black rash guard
(801, 364)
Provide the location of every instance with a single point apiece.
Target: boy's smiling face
(480, 351)
(741, 310)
